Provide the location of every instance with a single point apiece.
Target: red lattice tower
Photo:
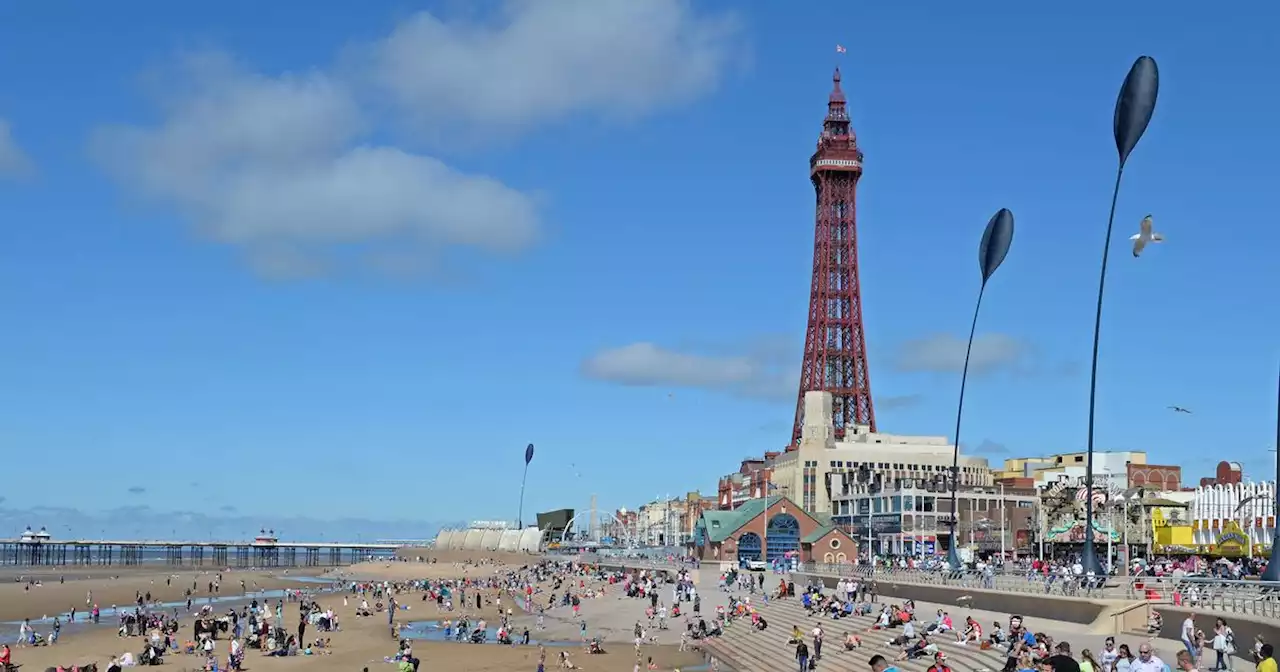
(835, 344)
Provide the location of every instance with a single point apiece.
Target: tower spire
(837, 122)
(835, 349)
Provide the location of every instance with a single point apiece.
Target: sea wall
(1029, 605)
(528, 540)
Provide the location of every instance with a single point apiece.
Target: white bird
(1144, 235)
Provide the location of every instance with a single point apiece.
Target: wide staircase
(745, 649)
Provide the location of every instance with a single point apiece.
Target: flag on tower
(840, 49)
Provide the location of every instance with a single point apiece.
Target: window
(835, 543)
(1079, 458)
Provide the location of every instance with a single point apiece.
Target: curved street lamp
(528, 457)
(1272, 572)
(1134, 107)
(991, 253)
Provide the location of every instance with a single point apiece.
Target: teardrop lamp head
(1136, 104)
(995, 243)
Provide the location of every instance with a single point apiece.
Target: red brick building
(749, 482)
(1155, 476)
(1227, 473)
(770, 529)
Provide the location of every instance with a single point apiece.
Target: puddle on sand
(433, 631)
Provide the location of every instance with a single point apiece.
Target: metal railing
(1247, 597)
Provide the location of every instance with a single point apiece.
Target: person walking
(802, 656)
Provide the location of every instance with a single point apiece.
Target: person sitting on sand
(851, 641)
(565, 663)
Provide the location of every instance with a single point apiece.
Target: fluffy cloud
(537, 62)
(271, 165)
(13, 161)
(648, 365)
(283, 167)
(944, 353)
(899, 401)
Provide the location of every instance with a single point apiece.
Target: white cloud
(898, 401)
(944, 353)
(270, 164)
(541, 60)
(281, 168)
(13, 161)
(648, 365)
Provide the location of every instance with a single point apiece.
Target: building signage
(876, 523)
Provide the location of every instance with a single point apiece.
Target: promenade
(1255, 599)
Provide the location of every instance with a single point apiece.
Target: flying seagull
(1144, 235)
(1179, 409)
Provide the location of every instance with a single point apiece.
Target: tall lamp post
(528, 457)
(991, 253)
(1272, 572)
(1134, 107)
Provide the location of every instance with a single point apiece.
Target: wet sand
(19, 600)
(363, 642)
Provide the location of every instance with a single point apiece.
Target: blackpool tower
(835, 344)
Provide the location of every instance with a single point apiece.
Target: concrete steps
(749, 650)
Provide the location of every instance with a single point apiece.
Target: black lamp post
(991, 253)
(1134, 107)
(528, 457)
(1272, 572)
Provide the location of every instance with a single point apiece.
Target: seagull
(1144, 235)
(1179, 409)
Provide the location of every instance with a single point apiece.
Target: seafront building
(817, 467)
(911, 517)
(773, 529)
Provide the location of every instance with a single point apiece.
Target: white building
(819, 467)
(1218, 509)
(1109, 468)
(658, 523)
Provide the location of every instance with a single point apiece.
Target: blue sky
(257, 257)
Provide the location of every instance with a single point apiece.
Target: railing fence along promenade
(1248, 597)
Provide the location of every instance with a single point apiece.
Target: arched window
(748, 547)
(783, 537)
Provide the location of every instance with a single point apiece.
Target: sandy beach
(107, 586)
(362, 642)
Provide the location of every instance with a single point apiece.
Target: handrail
(1257, 598)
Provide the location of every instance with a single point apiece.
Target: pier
(40, 549)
